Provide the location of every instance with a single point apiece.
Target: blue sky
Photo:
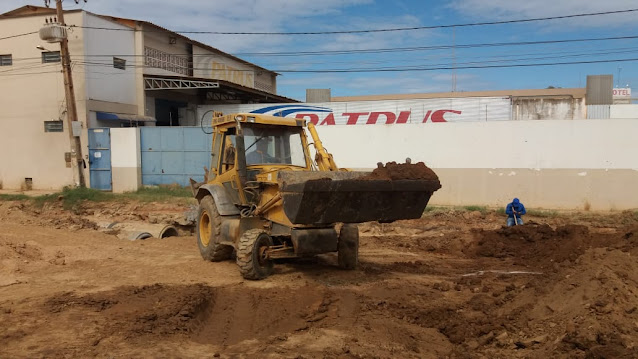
(339, 15)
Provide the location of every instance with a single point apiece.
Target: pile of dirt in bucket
(401, 171)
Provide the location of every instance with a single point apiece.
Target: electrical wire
(384, 30)
(455, 67)
(382, 50)
(18, 35)
(435, 47)
(424, 67)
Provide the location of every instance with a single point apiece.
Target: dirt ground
(450, 285)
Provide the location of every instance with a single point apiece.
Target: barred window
(6, 60)
(53, 126)
(165, 61)
(50, 56)
(119, 63)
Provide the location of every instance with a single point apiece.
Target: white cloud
(396, 83)
(218, 15)
(521, 9)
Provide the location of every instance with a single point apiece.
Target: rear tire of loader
(209, 223)
(348, 247)
(250, 255)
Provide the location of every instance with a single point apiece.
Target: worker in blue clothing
(514, 212)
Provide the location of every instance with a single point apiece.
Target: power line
(497, 56)
(451, 67)
(391, 69)
(381, 30)
(469, 65)
(18, 35)
(435, 47)
(379, 50)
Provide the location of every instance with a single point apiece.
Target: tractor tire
(348, 247)
(209, 224)
(250, 260)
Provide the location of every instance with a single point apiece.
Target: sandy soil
(452, 284)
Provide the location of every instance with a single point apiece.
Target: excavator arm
(324, 160)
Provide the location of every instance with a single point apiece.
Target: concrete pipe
(168, 231)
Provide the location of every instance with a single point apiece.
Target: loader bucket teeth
(318, 198)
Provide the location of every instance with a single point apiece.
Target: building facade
(126, 73)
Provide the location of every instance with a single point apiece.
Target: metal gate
(100, 158)
(172, 155)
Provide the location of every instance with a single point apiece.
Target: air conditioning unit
(53, 32)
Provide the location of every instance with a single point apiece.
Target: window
(50, 56)
(53, 126)
(6, 60)
(119, 63)
(279, 145)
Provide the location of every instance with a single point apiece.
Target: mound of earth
(453, 284)
(401, 171)
(538, 244)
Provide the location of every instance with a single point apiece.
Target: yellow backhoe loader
(265, 197)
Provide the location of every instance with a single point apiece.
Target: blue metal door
(172, 155)
(100, 158)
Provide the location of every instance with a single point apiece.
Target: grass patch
(13, 197)
(71, 197)
(481, 209)
(434, 209)
(542, 213)
(158, 194)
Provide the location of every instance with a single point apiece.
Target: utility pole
(77, 161)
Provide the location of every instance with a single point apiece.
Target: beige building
(126, 73)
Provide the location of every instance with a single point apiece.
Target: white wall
(548, 108)
(125, 147)
(126, 159)
(588, 164)
(103, 81)
(382, 111)
(623, 111)
(596, 144)
(33, 92)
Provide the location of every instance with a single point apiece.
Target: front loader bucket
(329, 197)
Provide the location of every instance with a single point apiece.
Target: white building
(126, 73)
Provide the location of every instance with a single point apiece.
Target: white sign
(382, 112)
(622, 93)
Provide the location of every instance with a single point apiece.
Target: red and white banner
(387, 112)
